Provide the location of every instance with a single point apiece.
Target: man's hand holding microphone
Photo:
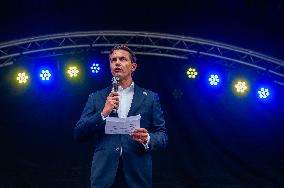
(112, 103)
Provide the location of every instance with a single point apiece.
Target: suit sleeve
(90, 121)
(158, 133)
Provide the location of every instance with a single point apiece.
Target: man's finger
(114, 103)
(140, 130)
(140, 134)
(115, 98)
(138, 139)
(113, 93)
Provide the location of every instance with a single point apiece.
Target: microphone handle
(115, 88)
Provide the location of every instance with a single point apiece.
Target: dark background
(216, 139)
(250, 24)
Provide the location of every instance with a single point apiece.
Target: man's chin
(117, 75)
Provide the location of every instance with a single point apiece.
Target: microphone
(115, 84)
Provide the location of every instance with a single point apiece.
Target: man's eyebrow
(118, 57)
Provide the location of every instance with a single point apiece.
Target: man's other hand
(140, 135)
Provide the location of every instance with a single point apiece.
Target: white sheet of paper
(115, 125)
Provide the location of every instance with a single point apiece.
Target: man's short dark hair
(126, 48)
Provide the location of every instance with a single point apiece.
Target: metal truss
(144, 43)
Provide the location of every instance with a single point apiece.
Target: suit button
(117, 149)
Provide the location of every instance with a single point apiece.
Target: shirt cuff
(103, 118)
(146, 146)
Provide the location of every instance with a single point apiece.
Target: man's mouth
(117, 69)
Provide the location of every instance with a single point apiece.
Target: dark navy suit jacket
(136, 160)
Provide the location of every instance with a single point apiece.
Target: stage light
(177, 93)
(22, 78)
(241, 87)
(45, 75)
(263, 93)
(214, 80)
(73, 71)
(95, 68)
(191, 73)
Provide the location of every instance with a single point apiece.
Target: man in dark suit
(123, 160)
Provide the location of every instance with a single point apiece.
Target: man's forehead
(120, 53)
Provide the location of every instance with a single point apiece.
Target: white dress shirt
(125, 100)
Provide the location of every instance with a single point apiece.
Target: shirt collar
(128, 89)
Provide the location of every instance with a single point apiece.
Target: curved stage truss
(144, 43)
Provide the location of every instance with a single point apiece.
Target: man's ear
(134, 66)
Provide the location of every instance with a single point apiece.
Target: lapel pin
(144, 93)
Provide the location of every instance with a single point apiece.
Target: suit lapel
(137, 100)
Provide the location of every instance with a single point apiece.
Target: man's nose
(117, 62)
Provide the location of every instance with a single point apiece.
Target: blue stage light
(214, 80)
(95, 68)
(45, 75)
(263, 93)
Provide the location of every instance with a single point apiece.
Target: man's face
(121, 65)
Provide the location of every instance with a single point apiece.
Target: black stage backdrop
(216, 139)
